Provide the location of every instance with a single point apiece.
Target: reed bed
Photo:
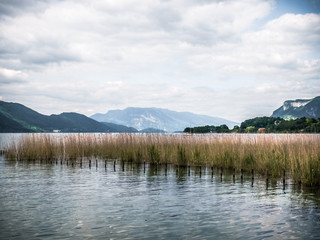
(268, 154)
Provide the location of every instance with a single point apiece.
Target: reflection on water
(53, 201)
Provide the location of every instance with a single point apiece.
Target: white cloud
(10, 76)
(224, 19)
(9, 73)
(202, 56)
(81, 30)
(277, 52)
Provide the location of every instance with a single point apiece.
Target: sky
(235, 59)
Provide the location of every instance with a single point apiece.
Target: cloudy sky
(235, 59)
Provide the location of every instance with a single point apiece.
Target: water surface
(53, 201)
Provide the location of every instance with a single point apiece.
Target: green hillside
(16, 117)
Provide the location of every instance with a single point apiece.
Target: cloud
(203, 56)
(13, 8)
(10, 76)
(282, 49)
(104, 31)
(222, 21)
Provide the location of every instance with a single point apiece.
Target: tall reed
(297, 154)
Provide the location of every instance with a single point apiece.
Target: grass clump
(154, 154)
(296, 154)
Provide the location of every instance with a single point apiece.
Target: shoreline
(268, 154)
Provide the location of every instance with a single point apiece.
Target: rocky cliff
(292, 109)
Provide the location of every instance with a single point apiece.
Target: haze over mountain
(292, 109)
(158, 118)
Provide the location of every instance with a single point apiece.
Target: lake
(54, 201)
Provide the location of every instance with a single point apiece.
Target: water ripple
(56, 202)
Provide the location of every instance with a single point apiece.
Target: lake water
(54, 201)
(49, 201)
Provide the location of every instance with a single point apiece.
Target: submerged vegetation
(268, 154)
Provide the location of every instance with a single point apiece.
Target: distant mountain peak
(158, 118)
(295, 103)
(292, 109)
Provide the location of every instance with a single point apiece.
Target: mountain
(119, 128)
(292, 109)
(151, 130)
(158, 118)
(15, 117)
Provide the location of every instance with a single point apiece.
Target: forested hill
(299, 125)
(264, 125)
(15, 117)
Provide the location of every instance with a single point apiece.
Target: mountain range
(158, 118)
(292, 109)
(15, 117)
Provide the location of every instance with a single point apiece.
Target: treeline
(264, 125)
(209, 129)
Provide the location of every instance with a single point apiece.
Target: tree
(236, 129)
(250, 129)
(188, 130)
